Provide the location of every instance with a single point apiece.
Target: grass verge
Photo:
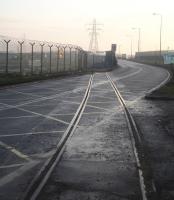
(16, 78)
(12, 79)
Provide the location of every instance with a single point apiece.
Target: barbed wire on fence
(26, 56)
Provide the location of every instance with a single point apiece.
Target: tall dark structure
(93, 45)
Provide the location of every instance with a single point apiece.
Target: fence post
(6, 65)
(79, 61)
(32, 47)
(20, 64)
(70, 48)
(41, 57)
(85, 60)
(64, 57)
(75, 60)
(93, 60)
(50, 46)
(57, 58)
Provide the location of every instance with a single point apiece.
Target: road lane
(99, 162)
(32, 125)
(138, 84)
(36, 135)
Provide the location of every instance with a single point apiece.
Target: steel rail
(135, 137)
(44, 173)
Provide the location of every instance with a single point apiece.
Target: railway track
(43, 175)
(35, 188)
(134, 135)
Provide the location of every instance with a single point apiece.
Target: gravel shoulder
(156, 122)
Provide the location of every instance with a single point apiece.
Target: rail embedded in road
(137, 147)
(103, 135)
(41, 178)
(148, 189)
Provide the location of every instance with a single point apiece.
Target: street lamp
(139, 36)
(161, 20)
(119, 49)
(130, 36)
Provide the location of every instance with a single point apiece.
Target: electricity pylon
(93, 31)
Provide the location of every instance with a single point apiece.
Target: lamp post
(161, 21)
(139, 37)
(131, 44)
(119, 50)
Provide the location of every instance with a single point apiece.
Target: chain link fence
(29, 57)
(38, 57)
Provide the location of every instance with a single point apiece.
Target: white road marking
(52, 89)
(32, 101)
(19, 172)
(11, 166)
(24, 93)
(13, 99)
(18, 117)
(73, 97)
(101, 97)
(14, 151)
(61, 114)
(107, 102)
(100, 90)
(30, 133)
(39, 114)
(43, 105)
(43, 98)
(161, 84)
(129, 75)
(43, 155)
(72, 102)
(88, 105)
(93, 113)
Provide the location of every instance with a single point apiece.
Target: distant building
(124, 56)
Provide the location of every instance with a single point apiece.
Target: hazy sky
(65, 21)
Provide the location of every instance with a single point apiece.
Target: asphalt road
(98, 162)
